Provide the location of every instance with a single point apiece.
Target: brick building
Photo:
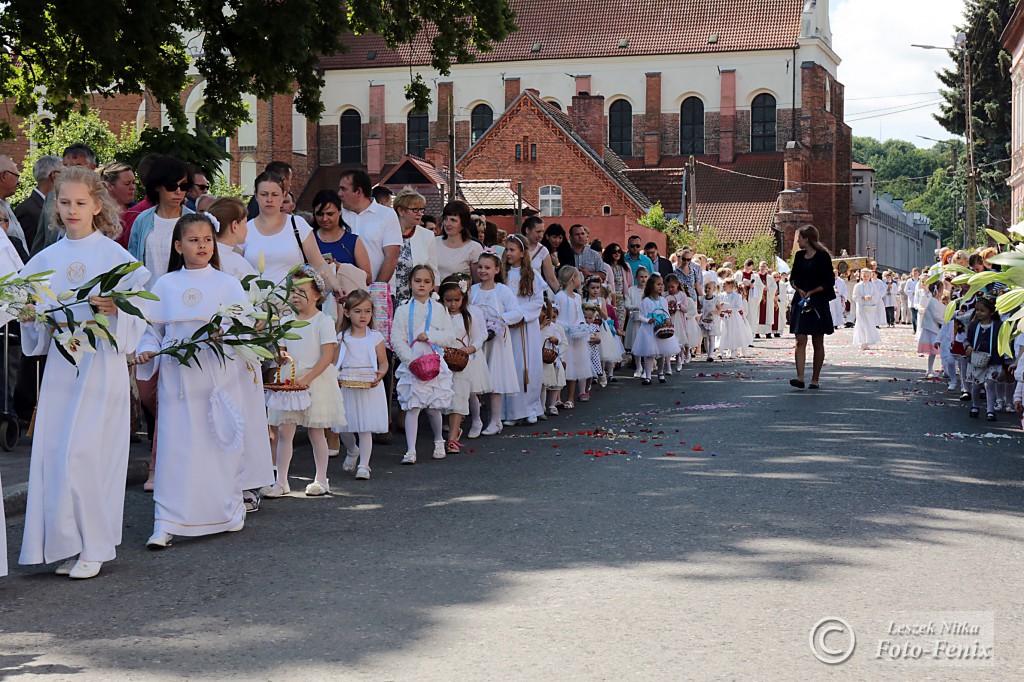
(1013, 40)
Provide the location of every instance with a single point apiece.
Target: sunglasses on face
(634, 246)
(175, 186)
(203, 188)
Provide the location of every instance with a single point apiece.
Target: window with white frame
(550, 201)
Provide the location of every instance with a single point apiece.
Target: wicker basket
(285, 386)
(357, 377)
(456, 359)
(665, 330)
(549, 354)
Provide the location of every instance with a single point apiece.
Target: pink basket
(427, 366)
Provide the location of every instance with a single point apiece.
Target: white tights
(412, 423)
(285, 436)
(651, 363)
(365, 445)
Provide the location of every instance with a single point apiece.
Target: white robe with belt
(80, 450)
(10, 263)
(198, 481)
(527, 336)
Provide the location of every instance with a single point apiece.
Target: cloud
(881, 70)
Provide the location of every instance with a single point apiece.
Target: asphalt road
(532, 558)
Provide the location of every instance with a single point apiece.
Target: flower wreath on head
(318, 281)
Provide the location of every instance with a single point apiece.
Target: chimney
(588, 121)
(376, 141)
(727, 129)
(652, 149)
(444, 93)
(582, 85)
(534, 91)
(511, 90)
(435, 157)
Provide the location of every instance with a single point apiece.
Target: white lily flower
(77, 345)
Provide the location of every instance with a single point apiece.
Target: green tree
(670, 227)
(991, 108)
(199, 149)
(78, 127)
(61, 51)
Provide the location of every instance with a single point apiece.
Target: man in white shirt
(376, 225)
(8, 185)
(910, 289)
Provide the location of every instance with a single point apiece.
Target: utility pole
(692, 204)
(971, 214)
(451, 148)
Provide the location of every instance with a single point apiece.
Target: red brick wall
(585, 189)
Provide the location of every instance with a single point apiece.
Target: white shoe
(542, 416)
(474, 430)
(316, 489)
(951, 387)
(276, 490)
(439, 452)
(509, 422)
(531, 420)
(84, 570)
(552, 410)
(638, 374)
(409, 458)
(159, 540)
(363, 473)
(492, 429)
(333, 453)
(238, 526)
(1000, 405)
(349, 464)
(602, 381)
(66, 566)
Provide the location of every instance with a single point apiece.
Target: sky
(883, 74)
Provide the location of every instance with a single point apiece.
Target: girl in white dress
(229, 218)
(198, 483)
(609, 349)
(736, 334)
(528, 286)
(678, 307)
(311, 359)
(865, 298)
(691, 322)
(654, 351)
(554, 373)
(79, 458)
(570, 316)
(711, 318)
(361, 357)
(470, 328)
(634, 295)
(501, 310)
(421, 326)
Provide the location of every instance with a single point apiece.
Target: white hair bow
(216, 223)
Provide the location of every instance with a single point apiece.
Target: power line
(893, 113)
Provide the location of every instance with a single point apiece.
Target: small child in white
(711, 318)
(554, 372)
(361, 358)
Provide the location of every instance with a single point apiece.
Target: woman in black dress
(810, 315)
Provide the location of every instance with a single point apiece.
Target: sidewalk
(14, 468)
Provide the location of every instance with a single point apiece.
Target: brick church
(596, 109)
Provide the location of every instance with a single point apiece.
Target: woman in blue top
(335, 240)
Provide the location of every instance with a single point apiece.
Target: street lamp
(970, 215)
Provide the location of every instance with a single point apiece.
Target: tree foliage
(198, 149)
(991, 108)
(60, 51)
(52, 140)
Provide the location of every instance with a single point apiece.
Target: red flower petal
(698, 448)
(670, 454)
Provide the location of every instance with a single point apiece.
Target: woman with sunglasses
(167, 183)
(419, 244)
(619, 281)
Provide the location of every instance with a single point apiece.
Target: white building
(896, 239)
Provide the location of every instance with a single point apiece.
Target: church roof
(582, 29)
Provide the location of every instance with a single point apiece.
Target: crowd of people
(451, 319)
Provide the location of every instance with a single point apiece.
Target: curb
(16, 496)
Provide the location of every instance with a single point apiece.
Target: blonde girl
(528, 286)
(311, 358)
(80, 450)
(229, 217)
(501, 310)
(421, 326)
(570, 316)
(678, 309)
(554, 374)
(654, 351)
(470, 330)
(361, 357)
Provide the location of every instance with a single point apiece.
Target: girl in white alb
(501, 309)
(198, 483)
(865, 298)
(362, 359)
(528, 286)
(691, 321)
(711, 318)
(10, 263)
(570, 316)
(311, 359)
(422, 326)
(79, 461)
(655, 351)
(470, 328)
